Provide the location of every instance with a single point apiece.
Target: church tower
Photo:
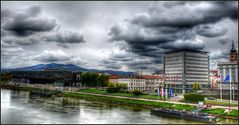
(233, 53)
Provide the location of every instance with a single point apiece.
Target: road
(235, 107)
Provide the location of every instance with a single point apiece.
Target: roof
(185, 50)
(215, 71)
(114, 77)
(228, 63)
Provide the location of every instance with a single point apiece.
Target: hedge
(193, 97)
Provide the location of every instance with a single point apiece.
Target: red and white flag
(162, 92)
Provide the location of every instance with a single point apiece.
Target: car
(211, 98)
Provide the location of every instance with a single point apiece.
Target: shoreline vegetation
(130, 101)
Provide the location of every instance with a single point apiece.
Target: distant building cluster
(141, 82)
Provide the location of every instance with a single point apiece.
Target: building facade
(229, 69)
(142, 83)
(214, 77)
(183, 68)
(153, 82)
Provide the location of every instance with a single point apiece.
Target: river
(19, 107)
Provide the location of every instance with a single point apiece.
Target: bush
(136, 92)
(112, 88)
(193, 97)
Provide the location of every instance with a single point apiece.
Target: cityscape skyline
(125, 36)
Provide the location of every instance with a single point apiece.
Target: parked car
(211, 98)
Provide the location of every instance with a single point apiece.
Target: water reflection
(22, 107)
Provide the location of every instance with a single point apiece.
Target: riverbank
(124, 101)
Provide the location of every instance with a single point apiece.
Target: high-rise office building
(185, 67)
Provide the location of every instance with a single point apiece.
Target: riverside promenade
(74, 90)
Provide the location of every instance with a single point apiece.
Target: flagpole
(230, 73)
(221, 87)
(230, 92)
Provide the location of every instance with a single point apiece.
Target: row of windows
(174, 63)
(197, 73)
(196, 54)
(196, 77)
(175, 55)
(196, 59)
(195, 67)
(200, 64)
(206, 75)
(174, 69)
(197, 81)
(173, 59)
(174, 66)
(173, 72)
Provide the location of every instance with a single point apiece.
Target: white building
(153, 82)
(184, 67)
(229, 69)
(134, 83)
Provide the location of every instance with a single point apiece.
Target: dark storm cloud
(187, 15)
(20, 41)
(210, 31)
(65, 37)
(27, 22)
(173, 25)
(223, 41)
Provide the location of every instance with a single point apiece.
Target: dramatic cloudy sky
(125, 36)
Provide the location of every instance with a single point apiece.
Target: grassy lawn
(138, 103)
(215, 111)
(100, 91)
(220, 103)
(218, 111)
(93, 90)
(233, 113)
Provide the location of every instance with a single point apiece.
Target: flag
(166, 92)
(170, 92)
(227, 79)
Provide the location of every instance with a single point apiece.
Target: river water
(22, 107)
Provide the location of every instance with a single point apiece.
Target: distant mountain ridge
(65, 67)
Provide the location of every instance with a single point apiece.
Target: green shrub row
(193, 97)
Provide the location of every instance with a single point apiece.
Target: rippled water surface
(22, 107)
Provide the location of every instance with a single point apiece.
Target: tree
(94, 80)
(196, 86)
(6, 77)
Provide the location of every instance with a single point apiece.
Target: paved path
(235, 107)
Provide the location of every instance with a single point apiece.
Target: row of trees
(94, 80)
(6, 77)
